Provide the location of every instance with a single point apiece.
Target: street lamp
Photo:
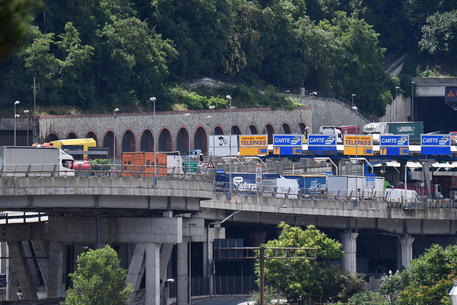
(26, 111)
(412, 100)
(15, 116)
(156, 139)
(114, 137)
(229, 195)
(396, 103)
(187, 115)
(355, 109)
(212, 107)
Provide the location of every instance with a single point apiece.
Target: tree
(15, 19)
(439, 34)
(98, 280)
(298, 279)
(427, 281)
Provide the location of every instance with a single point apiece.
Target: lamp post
(412, 100)
(15, 116)
(396, 103)
(156, 140)
(187, 115)
(212, 107)
(114, 137)
(229, 195)
(26, 111)
(355, 109)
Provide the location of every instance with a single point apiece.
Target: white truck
(332, 131)
(35, 161)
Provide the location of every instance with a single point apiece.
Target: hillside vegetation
(95, 55)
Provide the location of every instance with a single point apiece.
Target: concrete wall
(138, 123)
(329, 111)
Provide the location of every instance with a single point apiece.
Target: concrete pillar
(152, 265)
(11, 282)
(41, 253)
(26, 247)
(349, 240)
(56, 287)
(205, 262)
(406, 244)
(3, 253)
(136, 270)
(165, 254)
(182, 294)
(22, 269)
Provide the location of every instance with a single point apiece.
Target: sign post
(254, 145)
(287, 144)
(321, 144)
(361, 145)
(437, 144)
(397, 145)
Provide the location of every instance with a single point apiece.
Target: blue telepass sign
(397, 145)
(437, 144)
(287, 144)
(321, 144)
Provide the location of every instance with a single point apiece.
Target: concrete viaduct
(146, 221)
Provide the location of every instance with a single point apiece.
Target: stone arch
(182, 140)
(270, 131)
(236, 130)
(71, 135)
(218, 131)
(253, 129)
(128, 142)
(302, 127)
(51, 137)
(165, 140)
(201, 140)
(147, 141)
(92, 135)
(108, 141)
(286, 128)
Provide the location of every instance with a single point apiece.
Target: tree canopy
(300, 279)
(98, 280)
(96, 55)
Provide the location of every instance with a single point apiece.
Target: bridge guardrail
(420, 203)
(104, 170)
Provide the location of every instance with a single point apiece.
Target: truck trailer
(35, 161)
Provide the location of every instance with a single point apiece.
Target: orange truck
(134, 163)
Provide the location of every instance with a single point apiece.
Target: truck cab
(332, 131)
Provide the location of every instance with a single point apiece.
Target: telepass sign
(358, 145)
(254, 145)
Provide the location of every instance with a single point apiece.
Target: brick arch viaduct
(138, 131)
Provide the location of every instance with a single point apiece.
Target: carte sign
(254, 145)
(358, 145)
(437, 144)
(287, 144)
(397, 145)
(321, 144)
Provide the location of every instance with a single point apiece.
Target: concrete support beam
(136, 270)
(3, 254)
(11, 282)
(28, 253)
(22, 270)
(349, 240)
(406, 244)
(56, 287)
(115, 229)
(182, 294)
(42, 257)
(152, 265)
(165, 255)
(216, 232)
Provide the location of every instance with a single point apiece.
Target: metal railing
(105, 170)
